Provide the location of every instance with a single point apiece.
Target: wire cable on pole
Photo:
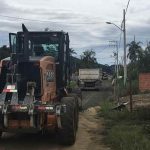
(127, 5)
(123, 22)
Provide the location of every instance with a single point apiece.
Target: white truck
(90, 78)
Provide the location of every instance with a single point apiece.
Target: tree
(144, 64)
(72, 51)
(148, 47)
(88, 59)
(135, 55)
(135, 51)
(74, 62)
(4, 52)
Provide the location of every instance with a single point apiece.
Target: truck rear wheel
(68, 122)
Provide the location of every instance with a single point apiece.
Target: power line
(123, 22)
(36, 20)
(125, 12)
(20, 18)
(127, 5)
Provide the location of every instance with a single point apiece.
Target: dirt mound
(93, 110)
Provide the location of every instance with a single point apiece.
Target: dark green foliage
(75, 64)
(144, 63)
(140, 59)
(135, 51)
(88, 59)
(139, 63)
(4, 52)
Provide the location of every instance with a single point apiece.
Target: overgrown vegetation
(4, 52)
(72, 84)
(139, 63)
(126, 130)
(124, 90)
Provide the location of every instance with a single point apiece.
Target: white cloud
(83, 19)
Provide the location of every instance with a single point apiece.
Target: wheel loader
(33, 86)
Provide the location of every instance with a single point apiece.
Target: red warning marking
(6, 90)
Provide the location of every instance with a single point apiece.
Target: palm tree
(72, 51)
(148, 48)
(135, 51)
(88, 59)
(144, 64)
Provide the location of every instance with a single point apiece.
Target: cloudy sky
(83, 19)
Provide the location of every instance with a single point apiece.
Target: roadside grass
(126, 130)
(124, 91)
(73, 84)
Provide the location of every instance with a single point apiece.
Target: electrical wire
(20, 18)
(123, 22)
(36, 20)
(127, 5)
(125, 12)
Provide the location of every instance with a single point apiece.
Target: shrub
(123, 137)
(126, 130)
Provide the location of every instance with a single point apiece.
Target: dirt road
(88, 137)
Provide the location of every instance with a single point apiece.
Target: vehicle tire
(79, 100)
(80, 104)
(76, 107)
(1, 134)
(68, 122)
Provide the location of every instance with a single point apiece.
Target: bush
(126, 130)
(135, 87)
(108, 113)
(73, 84)
(124, 91)
(123, 137)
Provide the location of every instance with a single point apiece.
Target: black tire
(76, 107)
(78, 93)
(68, 122)
(78, 99)
(1, 134)
(80, 104)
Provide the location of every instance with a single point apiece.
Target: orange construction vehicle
(33, 85)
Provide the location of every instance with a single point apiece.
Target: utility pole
(116, 83)
(124, 34)
(117, 60)
(125, 61)
(116, 57)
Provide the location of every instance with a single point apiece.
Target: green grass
(125, 130)
(72, 85)
(124, 91)
(128, 137)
